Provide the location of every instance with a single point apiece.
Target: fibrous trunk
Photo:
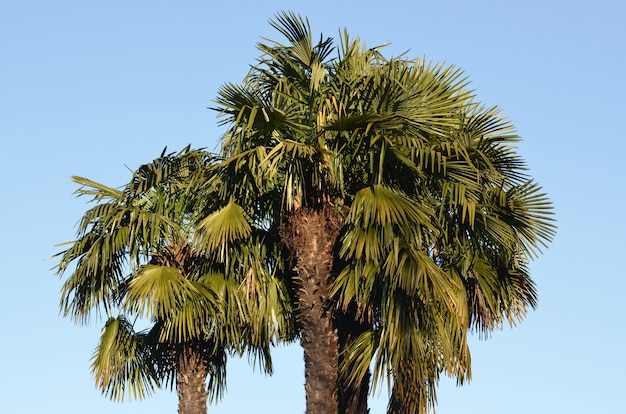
(310, 233)
(191, 380)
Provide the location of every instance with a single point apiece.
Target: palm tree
(152, 253)
(407, 216)
(273, 142)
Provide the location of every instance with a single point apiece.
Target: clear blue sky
(88, 87)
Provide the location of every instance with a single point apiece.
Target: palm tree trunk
(311, 234)
(191, 380)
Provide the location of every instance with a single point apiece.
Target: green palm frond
(92, 289)
(168, 172)
(301, 49)
(112, 239)
(383, 206)
(379, 217)
(162, 293)
(298, 31)
(98, 191)
(530, 213)
(121, 364)
(222, 227)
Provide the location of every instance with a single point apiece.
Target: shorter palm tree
(161, 253)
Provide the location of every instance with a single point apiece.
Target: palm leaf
(121, 364)
(222, 227)
(162, 293)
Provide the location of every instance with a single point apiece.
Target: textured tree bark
(191, 380)
(311, 233)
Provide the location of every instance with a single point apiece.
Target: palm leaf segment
(440, 217)
(143, 253)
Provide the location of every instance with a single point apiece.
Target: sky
(94, 88)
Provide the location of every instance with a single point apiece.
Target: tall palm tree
(154, 253)
(407, 214)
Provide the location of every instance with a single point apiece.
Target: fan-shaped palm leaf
(121, 365)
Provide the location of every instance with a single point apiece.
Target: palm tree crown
(148, 253)
(408, 215)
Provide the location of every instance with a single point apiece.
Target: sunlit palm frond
(222, 227)
(170, 172)
(92, 288)
(415, 347)
(162, 293)
(116, 239)
(378, 218)
(121, 363)
(301, 47)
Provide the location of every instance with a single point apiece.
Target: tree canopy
(368, 205)
(152, 253)
(431, 215)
